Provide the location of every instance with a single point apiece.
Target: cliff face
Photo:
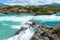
(45, 33)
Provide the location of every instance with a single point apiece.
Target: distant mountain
(2, 5)
(54, 4)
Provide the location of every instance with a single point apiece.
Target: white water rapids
(24, 35)
(27, 34)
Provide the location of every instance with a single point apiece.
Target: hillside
(2, 5)
(42, 9)
(54, 5)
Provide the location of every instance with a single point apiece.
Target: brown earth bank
(46, 33)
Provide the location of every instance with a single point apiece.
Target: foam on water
(23, 20)
(44, 18)
(26, 35)
(10, 24)
(14, 18)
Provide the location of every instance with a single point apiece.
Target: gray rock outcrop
(45, 33)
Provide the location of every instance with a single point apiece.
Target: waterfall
(23, 20)
(27, 33)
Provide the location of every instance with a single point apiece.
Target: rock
(38, 13)
(22, 29)
(33, 23)
(44, 33)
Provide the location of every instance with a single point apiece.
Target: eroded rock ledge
(45, 33)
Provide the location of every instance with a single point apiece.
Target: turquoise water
(6, 30)
(49, 20)
(8, 22)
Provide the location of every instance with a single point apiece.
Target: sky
(28, 2)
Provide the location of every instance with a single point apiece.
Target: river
(10, 24)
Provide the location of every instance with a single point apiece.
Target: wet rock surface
(22, 29)
(45, 33)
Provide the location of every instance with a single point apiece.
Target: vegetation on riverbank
(30, 9)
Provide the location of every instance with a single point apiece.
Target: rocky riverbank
(46, 33)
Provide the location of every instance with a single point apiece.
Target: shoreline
(43, 29)
(45, 33)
